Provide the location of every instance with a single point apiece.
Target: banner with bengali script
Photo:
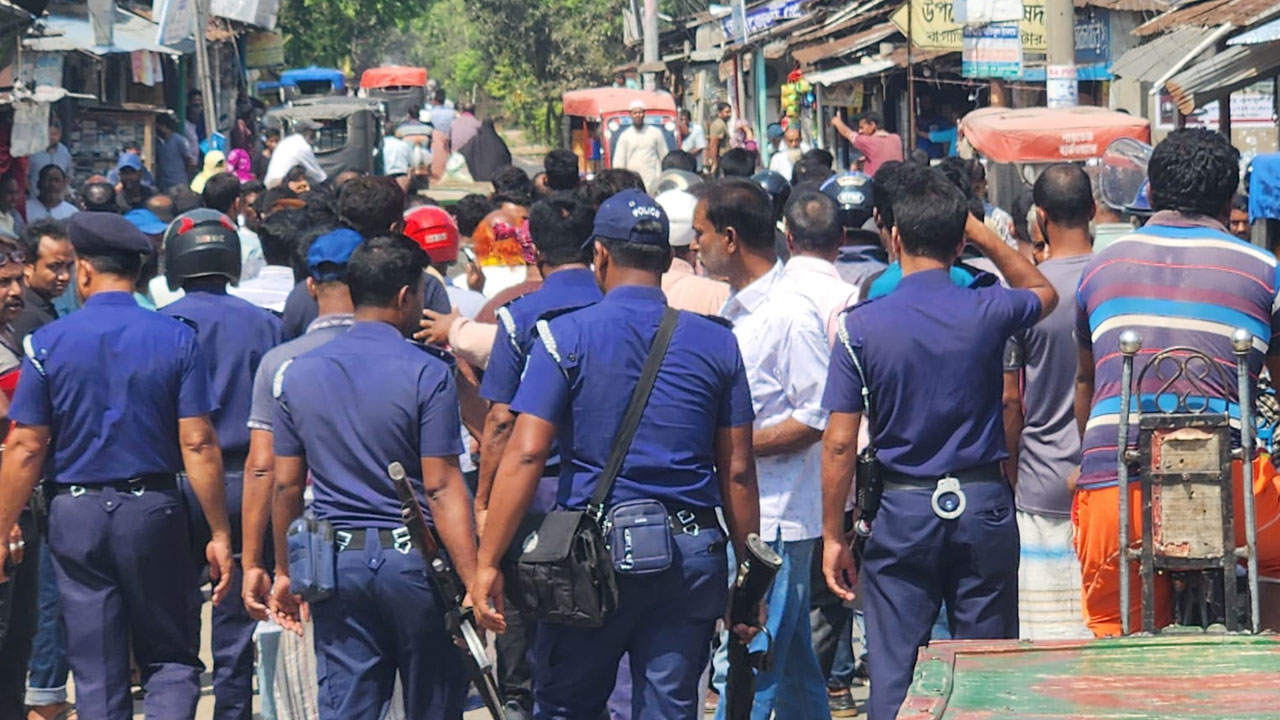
(934, 25)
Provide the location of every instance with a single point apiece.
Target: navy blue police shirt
(111, 381)
(233, 335)
(581, 377)
(354, 405)
(561, 290)
(932, 353)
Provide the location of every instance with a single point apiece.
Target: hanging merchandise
(796, 95)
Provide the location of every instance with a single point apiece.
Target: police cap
(334, 247)
(104, 233)
(632, 216)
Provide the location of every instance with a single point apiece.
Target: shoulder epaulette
(509, 324)
(28, 348)
(438, 353)
(718, 320)
(186, 321)
(557, 312)
(277, 382)
(549, 340)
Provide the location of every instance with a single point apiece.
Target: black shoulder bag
(565, 575)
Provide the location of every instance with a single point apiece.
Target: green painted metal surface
(1161, 678)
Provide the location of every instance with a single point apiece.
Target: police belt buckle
(403, 543)
(341, 539)
(688, 522)
(137, 488)
(948, 499)
(76, 491)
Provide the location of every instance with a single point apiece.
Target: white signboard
(176, 19)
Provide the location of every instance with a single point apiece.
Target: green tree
(341, 33)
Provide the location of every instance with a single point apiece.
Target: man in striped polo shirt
(1180, 280)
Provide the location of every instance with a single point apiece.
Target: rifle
(460, 621)
(755, 576)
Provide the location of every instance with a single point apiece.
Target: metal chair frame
(1209, 471)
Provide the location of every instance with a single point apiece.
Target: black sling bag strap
(565, 574)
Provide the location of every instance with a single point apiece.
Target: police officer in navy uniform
(560, 227)
(691, 452)
(344, 412)
(202, 255)
(928, 355)
(119, 397)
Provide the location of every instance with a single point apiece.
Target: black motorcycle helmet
(853, 193)
(777, 187)
(201, 243)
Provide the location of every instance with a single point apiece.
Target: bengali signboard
(1093, 35)
(992, 51)
(934, 25)
(263, 49)
(760, 19)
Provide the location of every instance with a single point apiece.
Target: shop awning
(1030, 135)
(1150, 61)
(65, 33)
(1241, 13)
(850, 72)
(1264, 33)
(844, 45)
(1222, 74)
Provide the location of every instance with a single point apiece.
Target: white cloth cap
(678, 205)
(637, 105)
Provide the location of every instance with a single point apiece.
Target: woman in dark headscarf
(486, 153)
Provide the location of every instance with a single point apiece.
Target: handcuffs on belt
(948, 500)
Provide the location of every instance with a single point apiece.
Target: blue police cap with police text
(620, 218)
(102, 233)
(332, 247)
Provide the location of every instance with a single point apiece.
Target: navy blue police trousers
(384, 617)
(664, 622)
(915, 560)
(126, 577)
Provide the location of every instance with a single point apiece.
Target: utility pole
(650, 29)
(202, 66)
(1061, 86)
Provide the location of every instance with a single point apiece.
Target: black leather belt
(388, 539)
(991, 472)
(137, 485)
(692, 520)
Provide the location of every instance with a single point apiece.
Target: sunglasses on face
(13, 256)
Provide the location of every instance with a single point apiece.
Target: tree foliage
(523, 54)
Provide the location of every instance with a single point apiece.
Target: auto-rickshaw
(1019, 143)
(312, 81)
(350, 131)
(402, 89)
(595, 118)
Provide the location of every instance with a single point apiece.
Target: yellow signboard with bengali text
(934, 26)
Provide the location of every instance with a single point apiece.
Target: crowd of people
(188, 371)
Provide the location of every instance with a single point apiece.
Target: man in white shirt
(292, 151)
(272, 285)
(788, 153)
(55, 154)
(641, 147)
(695, 138)
(49, 201)
(785, 350)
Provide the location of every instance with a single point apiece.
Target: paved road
(205, 709)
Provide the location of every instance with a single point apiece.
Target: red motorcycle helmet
(435, 231)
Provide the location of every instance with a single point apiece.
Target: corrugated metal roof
(1241, 13)
(64, 33)
(1266, 32)
(844, 45)
(1222, 74)
(850, 72)
(1144, 6)
(1150, 61)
